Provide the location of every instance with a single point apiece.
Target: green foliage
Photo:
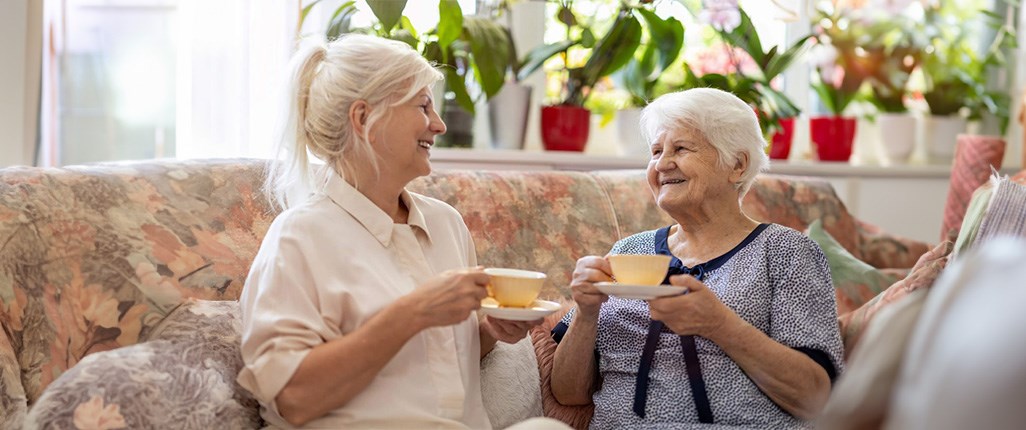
(468, 48)
(955, 73)
(608, 53)
(753, 87)
(662, 48)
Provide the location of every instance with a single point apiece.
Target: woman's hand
(448, 298)
(505, 330)
(589, 270)
(699, 312)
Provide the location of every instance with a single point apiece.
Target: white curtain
(232, 58)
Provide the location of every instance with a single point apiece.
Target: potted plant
(642, 74)
(841, 67)
(565, 125)
(749, 74)
(894, 47)
(474, 51)
(955, 76)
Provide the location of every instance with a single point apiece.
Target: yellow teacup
(513, 287)
(639, 269)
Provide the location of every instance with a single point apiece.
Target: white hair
(324, 81)
(728, 123)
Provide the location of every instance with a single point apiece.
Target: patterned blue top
(778, 281)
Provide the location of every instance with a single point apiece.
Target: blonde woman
(359, 309)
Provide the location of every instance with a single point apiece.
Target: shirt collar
(375, 220)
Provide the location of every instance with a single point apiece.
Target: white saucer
(539, 309)
(639, 292)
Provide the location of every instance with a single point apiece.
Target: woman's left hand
(505, 330)
(699, 312)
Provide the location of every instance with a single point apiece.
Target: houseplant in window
(741, 65)
(841, 67)
(565, 125)
(894, 47)
(955, 76)
(474, 53)
(642, 76)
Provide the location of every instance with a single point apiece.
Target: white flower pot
(507, 112)
(940, 134)
(897, 136)
(628, 127)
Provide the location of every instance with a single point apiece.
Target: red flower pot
(780, 143)
(565, 128)
(833, 137)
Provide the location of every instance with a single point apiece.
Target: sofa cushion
(855, 282)
(157, 384)
(184, 377)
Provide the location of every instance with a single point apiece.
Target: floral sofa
(118, 281)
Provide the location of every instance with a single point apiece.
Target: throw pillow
(509, 384)
(183, 377)
(855, 282)
(157, 384)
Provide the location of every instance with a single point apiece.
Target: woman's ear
(740, 167)
(358, 116)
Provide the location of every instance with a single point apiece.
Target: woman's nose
(437, 126)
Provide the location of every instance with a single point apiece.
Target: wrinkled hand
(589, 270)
(505, 330)
(448, 298)
(699, 312)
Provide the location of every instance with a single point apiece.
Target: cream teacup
(513, 287)
(639, 269)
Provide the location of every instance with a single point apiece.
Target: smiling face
(685, 174)
(402, 140)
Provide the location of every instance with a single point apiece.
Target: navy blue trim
(821, 358)
(677, 267)
(559, 331)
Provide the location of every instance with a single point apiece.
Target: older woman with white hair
(753, 342)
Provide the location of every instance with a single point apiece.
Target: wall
(19, 79)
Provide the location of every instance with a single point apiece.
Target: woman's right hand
(589, 270)
(448, 298)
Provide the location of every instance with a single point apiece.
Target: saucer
(538, 309)
(639, 292)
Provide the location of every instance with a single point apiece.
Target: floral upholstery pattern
(94, 259)
(183, 377)
(529, 220)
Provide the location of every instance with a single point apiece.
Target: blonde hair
(727, 122)
(324, 81)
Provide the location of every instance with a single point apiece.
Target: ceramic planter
(507, 113)
(780, 142)
(833, 137)
(565, 127)
(897, 136)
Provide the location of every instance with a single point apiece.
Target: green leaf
(306, 11)
(340, 20)
(489, 48)
(405, 24)
(387, 12)
(450, 21)
(745, 37)
(612, 52)
(667, 35)
(779, 63)
(537, 56)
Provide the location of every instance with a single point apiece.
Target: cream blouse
(325, 268)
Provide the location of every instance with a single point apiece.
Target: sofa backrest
(93, 257)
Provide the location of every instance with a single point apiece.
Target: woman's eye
(424, 108)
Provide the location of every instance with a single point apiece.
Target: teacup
(639, 269)
(513, 287)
